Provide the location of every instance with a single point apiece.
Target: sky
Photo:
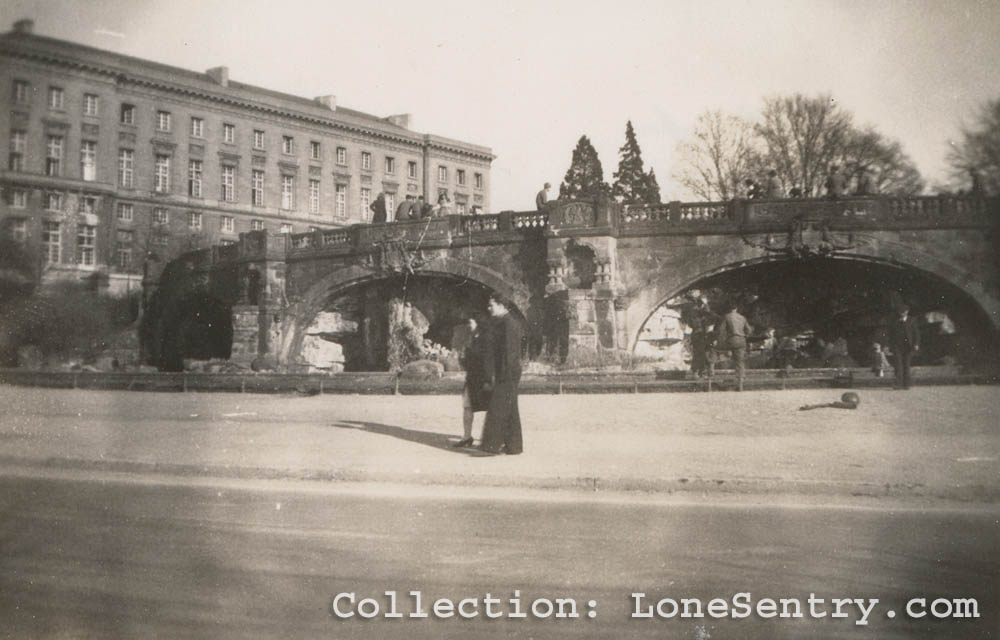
(527, 78)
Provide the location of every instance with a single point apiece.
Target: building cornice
(125, 78)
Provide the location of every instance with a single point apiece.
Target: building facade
(114, 161)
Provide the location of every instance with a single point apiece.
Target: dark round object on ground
(851, 398)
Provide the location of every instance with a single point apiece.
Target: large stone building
(115, 161)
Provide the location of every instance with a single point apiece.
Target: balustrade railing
(536, 220)
(335, 237)
(473, 224)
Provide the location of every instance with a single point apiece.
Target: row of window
(161, 171)
(86, 242)
(86, 235)
(164, 123)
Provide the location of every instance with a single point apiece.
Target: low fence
(451, 384)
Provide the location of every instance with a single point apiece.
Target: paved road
(96, 557)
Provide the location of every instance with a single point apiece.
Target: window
(366, 202)
(258, 139)
(123, 252)
(257, 187)
(51, 241)
(127, 114)
(160, 216)
(411, 169)
(125, 168)
(341, 155)
(194, 178)
(366, 160)
(197, 127)
(460, 208)
(53, 156)
(390, 165)
(227, 224)
(226, 241)
(126, 212)
(256, 225)
(163, 120)
(460, 176)
(53, 201)
(442, 174)
(160, 239)
(315, 150)
(314, 196)
(161, 174)
(341, 201)
(90, 104)
(229, 133)
(479, 180)
(88, 204)
(287, 144)
(229, 183)
(194, 220)
(85, 236)
(287, 192)
(56, 98)
(88, 160)
(286, 227)
(18, 143)
(18, 229)
(313, 229)
(390, 203)
(22, 91)
(18, 198)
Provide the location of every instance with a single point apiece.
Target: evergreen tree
(585, 177)
(630, 179)
(651, 188)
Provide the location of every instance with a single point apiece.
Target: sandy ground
(937, 441)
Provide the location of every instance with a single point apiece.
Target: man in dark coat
(378, 209)
(405, 209)
(905, 341)
(474, 395)
(502, 430)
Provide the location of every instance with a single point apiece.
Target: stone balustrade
(734, 216)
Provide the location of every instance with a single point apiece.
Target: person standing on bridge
(474, 395)
(405, 209)
(378, 209)
(542, 199)
(502, 365)
(835, 183)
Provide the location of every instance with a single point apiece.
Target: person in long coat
(378, 209)
(475, 397)
(502, 363)
(904, 338)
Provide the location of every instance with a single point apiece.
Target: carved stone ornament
(392, 257)
(805, 239)
(578, 213)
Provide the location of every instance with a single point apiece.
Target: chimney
(400, 120)
(26, 27)
(330, 102)
(220, 75)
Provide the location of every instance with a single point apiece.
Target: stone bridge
(580, 274)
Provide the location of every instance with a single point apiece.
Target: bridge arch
(888, 254)
(303, 311)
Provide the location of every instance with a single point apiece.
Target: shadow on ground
(441, 441)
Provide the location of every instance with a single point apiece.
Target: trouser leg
(467, 416)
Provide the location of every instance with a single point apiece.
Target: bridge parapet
(852, 212)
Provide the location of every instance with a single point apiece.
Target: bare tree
(720, 155)
(802, 138)
(975, 160)
(890, 170)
